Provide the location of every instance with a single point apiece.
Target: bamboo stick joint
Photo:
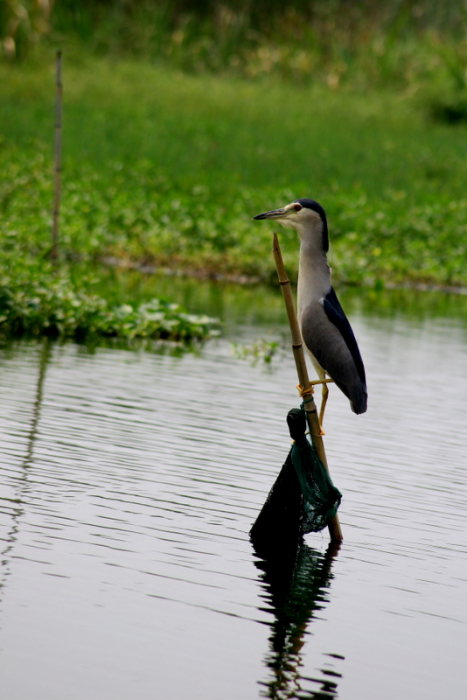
(305, 390)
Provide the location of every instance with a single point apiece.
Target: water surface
(130, 480)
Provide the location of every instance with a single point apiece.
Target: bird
(326, 331)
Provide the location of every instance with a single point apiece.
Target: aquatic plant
(49, 304)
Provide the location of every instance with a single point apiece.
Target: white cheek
(306, 216)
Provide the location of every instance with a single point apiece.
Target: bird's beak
(273, 214)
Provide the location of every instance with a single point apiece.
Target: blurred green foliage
(166, 169)
(183, 119)
(40, 300)
(402, 43)
(411, 45)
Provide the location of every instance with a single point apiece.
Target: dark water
(130, 480)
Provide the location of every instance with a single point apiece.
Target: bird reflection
(295, 581)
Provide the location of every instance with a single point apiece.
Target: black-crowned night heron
(326, 331)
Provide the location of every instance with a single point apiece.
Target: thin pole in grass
(306, 388)
(58, 157)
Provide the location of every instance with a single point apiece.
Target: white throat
(314, 274)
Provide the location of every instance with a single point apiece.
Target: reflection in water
(262, 304)
(22, 483)
(296, 582)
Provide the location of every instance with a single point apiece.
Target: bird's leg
(324, 398)
(324, 394)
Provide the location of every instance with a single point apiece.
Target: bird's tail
(359, 399)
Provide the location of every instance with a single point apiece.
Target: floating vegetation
(262, 350)
(51, 306)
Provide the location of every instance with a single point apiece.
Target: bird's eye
(297, 207)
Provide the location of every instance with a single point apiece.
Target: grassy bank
(165, 168)
(398, 43)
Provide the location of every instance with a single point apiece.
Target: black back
(336, 315)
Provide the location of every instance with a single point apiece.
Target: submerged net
(303, 498)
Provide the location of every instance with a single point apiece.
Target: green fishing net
(321, 499)
(303, 498)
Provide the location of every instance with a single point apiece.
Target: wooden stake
(302, 373)
(58, 156)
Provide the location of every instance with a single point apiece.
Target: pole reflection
(296, 582)
(22, 486)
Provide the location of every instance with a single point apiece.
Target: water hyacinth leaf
(30, 308)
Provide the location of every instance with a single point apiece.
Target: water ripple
(130, 482)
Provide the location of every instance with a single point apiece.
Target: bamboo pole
(58, 156)
(302, 372)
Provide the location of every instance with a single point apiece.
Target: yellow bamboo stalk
(335, 532)
(58, 156)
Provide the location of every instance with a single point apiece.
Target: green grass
(167, 168)
(399, 43)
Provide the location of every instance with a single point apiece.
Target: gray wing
(329, 337)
